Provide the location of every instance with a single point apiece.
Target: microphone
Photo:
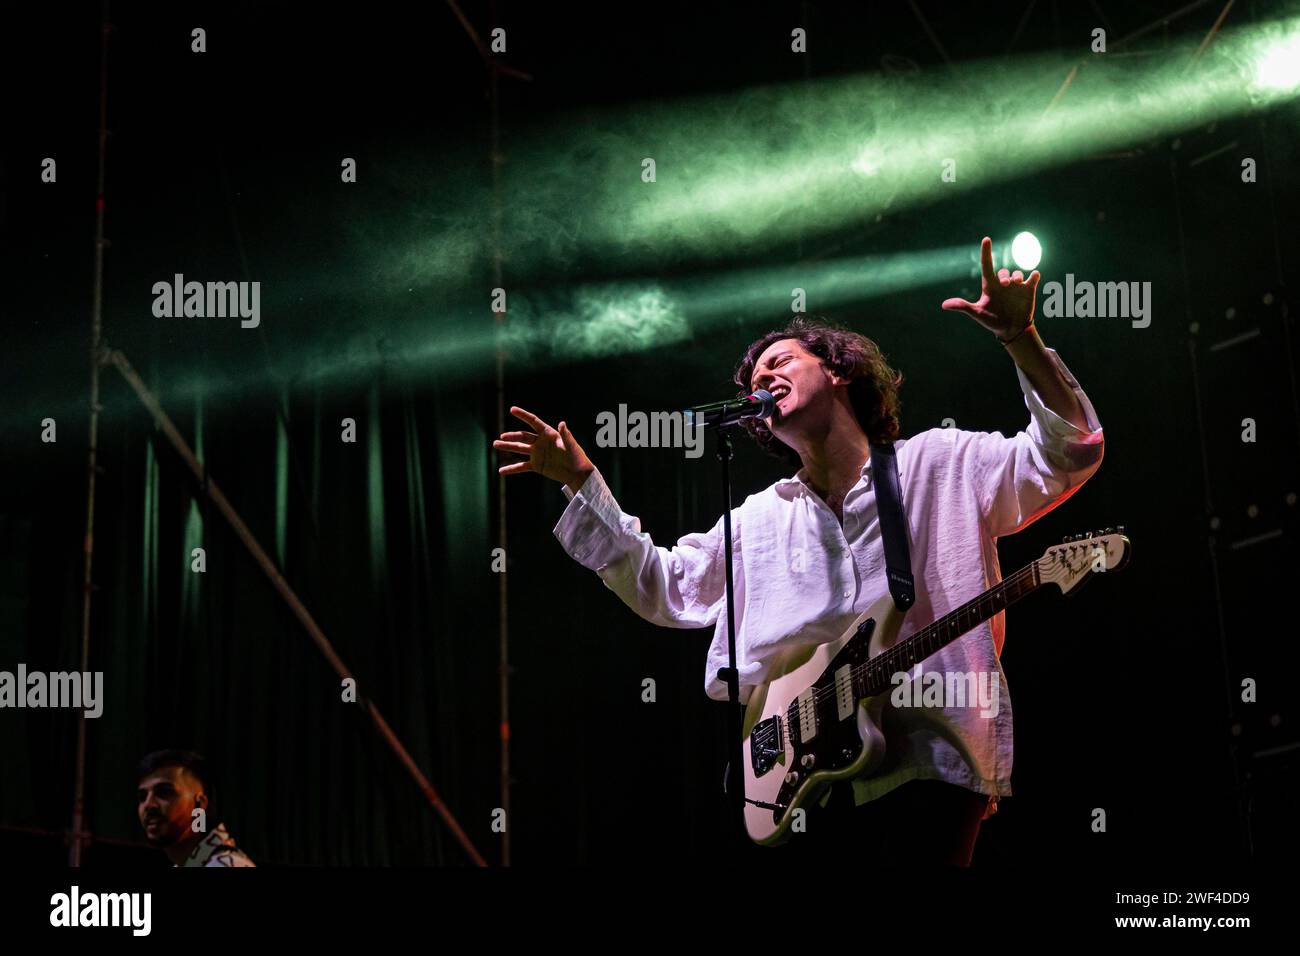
(760, 404)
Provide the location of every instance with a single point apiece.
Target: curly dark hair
(873, 391)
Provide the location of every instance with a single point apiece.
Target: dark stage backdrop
(1126, 696)
(388, 540)
(388, 554)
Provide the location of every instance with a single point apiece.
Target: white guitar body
(832, 743)
(818, 719)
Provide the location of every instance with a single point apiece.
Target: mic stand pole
(734, 778)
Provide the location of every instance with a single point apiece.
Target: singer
(809, 556)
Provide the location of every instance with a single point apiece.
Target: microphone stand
(734, 778)
(723, 415)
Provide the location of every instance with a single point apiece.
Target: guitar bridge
(766, 745)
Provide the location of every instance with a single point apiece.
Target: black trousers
(921, 823)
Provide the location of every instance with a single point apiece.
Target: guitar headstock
(1078, 557)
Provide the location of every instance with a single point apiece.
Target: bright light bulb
(1026, 251)
(1279, 68)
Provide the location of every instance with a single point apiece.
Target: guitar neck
(876, 675)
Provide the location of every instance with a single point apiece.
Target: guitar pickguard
(821, 725)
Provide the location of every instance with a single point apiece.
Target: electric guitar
(818, 720)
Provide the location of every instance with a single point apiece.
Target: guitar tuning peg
(1109, 531)
(1065, 539)
(1119, 528)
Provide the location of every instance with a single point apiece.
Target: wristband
(1016, 336)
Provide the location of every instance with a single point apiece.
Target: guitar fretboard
(875, 675)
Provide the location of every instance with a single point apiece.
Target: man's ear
(201, 800)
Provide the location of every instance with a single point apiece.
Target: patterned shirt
(217, 849)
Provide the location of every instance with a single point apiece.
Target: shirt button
(846, 592)
(579, 554)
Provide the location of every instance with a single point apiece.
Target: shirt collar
(801, 476)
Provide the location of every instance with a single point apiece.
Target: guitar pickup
(766, 745)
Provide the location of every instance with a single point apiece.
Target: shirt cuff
(587, 488)
(591, 528)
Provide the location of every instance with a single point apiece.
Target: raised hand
(551, 452)
(1006, 302)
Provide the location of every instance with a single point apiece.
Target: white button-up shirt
(801, 577)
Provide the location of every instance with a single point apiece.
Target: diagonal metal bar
(1020, 27)
(1140, 32)
(929, 32)
(482, 48)
(1209, 37)
(215, 495)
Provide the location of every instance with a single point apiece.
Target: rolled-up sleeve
(682, 586)
(1018, 480)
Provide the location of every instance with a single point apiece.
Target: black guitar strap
(893, 526)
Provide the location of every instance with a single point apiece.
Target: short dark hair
(873, 391)
(195, 763)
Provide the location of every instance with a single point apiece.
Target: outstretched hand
(551, 452)
(1006, 302)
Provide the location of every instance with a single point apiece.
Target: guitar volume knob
(807, 760)
(792, 777)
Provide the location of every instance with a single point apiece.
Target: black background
(226, 164)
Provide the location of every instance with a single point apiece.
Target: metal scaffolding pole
(77, 835)
(496, 160)
(503, 623)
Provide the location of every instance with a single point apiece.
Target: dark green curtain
(216, 662)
